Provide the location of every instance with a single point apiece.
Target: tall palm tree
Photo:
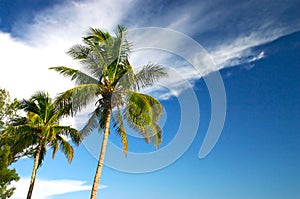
(108, 80)
(41, 130)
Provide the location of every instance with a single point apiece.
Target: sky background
(255, 46)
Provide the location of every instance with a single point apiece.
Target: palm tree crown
(108, 80)
(41, 130)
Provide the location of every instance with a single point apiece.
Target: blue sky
(253, 45)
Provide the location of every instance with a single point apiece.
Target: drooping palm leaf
(91, 125)
(118, 124)
(78, 97)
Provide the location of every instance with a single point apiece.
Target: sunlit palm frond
(66, 148)
(142, 113)
(137, 113)
(156, 107)
(55, 147)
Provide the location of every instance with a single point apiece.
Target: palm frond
(156, 107)
(96, 36)
(55, 146)
(142, 113)
(68, 132)
(78, 51)
(91, 124)
(29, 106)
(149, 74)
(155, 134)
(20, 138)
(76, 98)
(95, 62)
(66, 148)
(120, 129)
(42, 154)
(79, 77)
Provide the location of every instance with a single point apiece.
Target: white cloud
(24, 69)
(24, 63)
(44, 189)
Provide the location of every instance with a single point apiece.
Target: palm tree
(108, 80)
(40, 130)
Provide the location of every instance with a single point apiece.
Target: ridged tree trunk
(33, 175)
(101, 157)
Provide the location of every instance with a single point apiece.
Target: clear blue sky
(256, 47)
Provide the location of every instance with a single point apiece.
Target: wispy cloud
(226, 29)
(229, 32)
(44, 189)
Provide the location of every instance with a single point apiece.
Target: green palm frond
(120, 129)
(149, 74)
(142, 114)
(34, 119)
(24, 130)
(91, 57)
(69, 132)
(38, 107)
(55, 147)
(21, 138)
(156, 109)
(66, 148)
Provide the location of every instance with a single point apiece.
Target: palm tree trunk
(35, 167)
(101, 157)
